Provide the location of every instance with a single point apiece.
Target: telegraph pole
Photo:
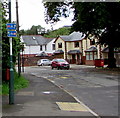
(17, 19)
(11, 82)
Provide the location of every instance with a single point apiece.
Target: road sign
(11, 26)
(12, 34)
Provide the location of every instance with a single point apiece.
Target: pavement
(43, 98)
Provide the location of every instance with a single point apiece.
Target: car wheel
(58, 67)
(68, 68)
(51, 67)
(42, 64)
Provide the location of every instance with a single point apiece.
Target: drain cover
(70, 106)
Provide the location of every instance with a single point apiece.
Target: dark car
(60, 64)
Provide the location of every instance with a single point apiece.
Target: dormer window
(76, 44)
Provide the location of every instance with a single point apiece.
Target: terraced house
(77, 49)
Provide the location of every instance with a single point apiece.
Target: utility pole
(11, 82)
(17, 21)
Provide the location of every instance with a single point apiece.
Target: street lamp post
(17, 19)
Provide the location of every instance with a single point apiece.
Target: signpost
(11, 33)
(11, 27)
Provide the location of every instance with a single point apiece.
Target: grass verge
(19, 83)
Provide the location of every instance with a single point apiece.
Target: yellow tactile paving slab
(70, 106)
(64, 77)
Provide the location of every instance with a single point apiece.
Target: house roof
(35, 40)
(75, 36)
(106, 50)
(74, 52)
(91, 49)
(29, 40)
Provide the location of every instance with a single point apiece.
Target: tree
(5, 42)
(60, 31)
(34, 30)
(97, 18)
(5, 39)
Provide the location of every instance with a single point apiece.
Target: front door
(73, 59)
(78, 59)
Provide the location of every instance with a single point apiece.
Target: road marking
(51, 80)
(70, 106)
(92, 112)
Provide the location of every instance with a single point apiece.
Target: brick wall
(32, 61)
(89, 62)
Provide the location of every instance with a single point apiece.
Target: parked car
(43, 62)
(60, 64)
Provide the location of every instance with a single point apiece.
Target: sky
(31, 12)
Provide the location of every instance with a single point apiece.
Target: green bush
(19, 83)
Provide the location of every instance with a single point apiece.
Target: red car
(60, 64)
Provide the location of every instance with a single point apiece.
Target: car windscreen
(61, 60)
(46, 60)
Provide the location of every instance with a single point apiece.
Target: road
(97, 90)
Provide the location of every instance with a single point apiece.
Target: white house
(50, 46)
(36, 44)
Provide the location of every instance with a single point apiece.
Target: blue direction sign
(12, 34)
(11, 26)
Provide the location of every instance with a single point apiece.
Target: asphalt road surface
(96, 89)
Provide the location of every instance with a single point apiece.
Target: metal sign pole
(11, 82)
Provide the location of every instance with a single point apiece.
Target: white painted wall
(49, 47)
(32, 49)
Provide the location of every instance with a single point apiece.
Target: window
(41, 48)
(45, 47)
(92, 42)
(91, 55)
(59, 45)
(88, 56)
(53, 46)
(95, 55)
(76, 44)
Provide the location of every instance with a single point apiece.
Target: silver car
(43, 62)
